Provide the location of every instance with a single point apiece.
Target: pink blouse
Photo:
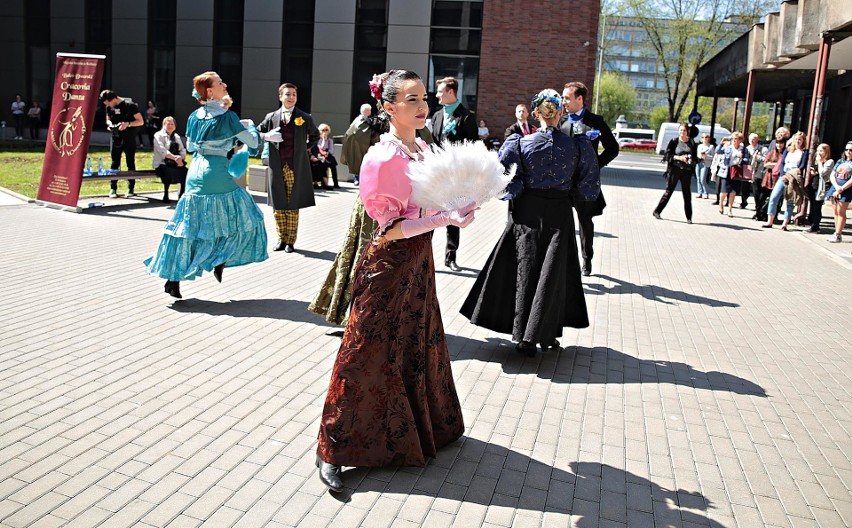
(385, 188)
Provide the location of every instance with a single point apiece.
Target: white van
(668, 131)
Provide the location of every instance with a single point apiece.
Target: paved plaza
(712, 388)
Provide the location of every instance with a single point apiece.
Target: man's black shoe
(288, 248)
(279, 246)
(329, 474)
(587, 267)
(453, 266)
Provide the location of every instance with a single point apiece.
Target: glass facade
(40, 62)
(370, 51)
(162, 26)
(228, 46)
(297, 49)
(454, 48)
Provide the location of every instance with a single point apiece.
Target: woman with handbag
(681, 155)
(794, 157)
(736, 157)
(817, 182)
(840, 192)
(169, 157)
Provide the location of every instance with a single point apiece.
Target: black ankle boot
(173, 289)
(329, 474)
(217, 271)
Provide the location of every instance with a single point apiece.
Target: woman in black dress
(681, 156)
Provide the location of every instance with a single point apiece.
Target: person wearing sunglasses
(840, 193)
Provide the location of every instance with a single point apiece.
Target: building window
(40, 63)
(297, 48)
(162, 28)
(99, 42)
(228, 46)
(454, 47)
(370, 50)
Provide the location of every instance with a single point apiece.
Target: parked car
(624, 140)
(641, 144)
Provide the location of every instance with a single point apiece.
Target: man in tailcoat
(290, 133)
(521, 125)
(453, 123)
(579, 120)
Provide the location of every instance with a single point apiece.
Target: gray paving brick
(128, 407)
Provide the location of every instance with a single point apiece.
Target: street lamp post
(599, 73)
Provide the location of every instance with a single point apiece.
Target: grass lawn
(20, 170)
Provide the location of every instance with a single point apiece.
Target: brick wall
(526, 47)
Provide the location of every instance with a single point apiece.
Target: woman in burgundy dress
(392, 400)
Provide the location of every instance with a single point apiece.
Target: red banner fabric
(72, 114)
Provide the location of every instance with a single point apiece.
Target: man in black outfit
(453, 123)
(122, 119)
(521, 125)
(579, 120)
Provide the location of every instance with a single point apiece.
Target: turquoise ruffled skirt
(207, 230)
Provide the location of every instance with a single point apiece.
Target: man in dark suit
(579, 120)
(521, 125)
(290, 133)
(453, 123)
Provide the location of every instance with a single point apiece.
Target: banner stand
(61, 207)
(76, 90)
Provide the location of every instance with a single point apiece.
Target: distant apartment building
(627, 51)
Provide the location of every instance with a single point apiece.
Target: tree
(617, 96)
(659, 115)
(683, 34)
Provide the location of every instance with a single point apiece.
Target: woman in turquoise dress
(216, 223)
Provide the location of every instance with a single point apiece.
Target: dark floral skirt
(391, 400)
(530, 286)
(332, 301)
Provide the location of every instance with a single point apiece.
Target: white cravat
(285, 114)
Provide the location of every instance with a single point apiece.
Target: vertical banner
(72, 114)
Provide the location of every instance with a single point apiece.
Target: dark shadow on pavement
(652, 293)
(596, 365)
(261, 308)
(732, 227)
(478, 472)
(132, 204)
(321, 255)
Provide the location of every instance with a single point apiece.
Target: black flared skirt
(530, 286)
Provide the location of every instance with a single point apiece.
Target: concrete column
(262, 33)
(193, 53)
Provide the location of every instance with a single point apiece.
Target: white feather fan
(457, 174)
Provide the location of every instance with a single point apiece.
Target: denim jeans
(778, 194)
(701, 171)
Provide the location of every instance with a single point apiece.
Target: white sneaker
(835, 238)
(113, 194)
(130, 194)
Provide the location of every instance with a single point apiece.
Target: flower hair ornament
(376, 87)
(195, 94)
(548, 94)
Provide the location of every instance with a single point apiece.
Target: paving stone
(127, 408)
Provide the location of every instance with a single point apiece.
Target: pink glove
(460, 217)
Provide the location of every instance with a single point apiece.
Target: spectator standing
(123, 119)
(793, 162)
(840, 192)
(758, 157)
(521, 125)
(735, 157)
(704, 152)
(34, 119)
(817, 182)
(356, 142)
(681, 155)
(18, 109)
(152, 121)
